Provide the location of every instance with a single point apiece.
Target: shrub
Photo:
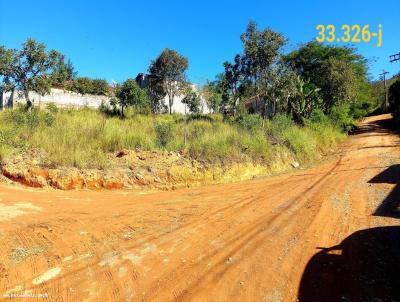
(164, 132)
(278, 126)
(341, 117)
(318, 116)
(359, 109)
(249, 121)
(52, 108)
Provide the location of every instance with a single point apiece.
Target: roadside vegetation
(394, 98)
(83, 138)
(265, 105)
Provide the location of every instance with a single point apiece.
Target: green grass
(83, 138)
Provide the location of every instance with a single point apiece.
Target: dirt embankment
(329, 233)
(132, 169)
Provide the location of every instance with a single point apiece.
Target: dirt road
(329, 233)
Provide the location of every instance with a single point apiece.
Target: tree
(7, 62)
(191, 99)
(261, 52)
(338, 82)
(28, 69)
(62, 73)
(304, 100)
(233, 79)
(85, 85)
(212, 95)
(82, 85)
(156, 93)
(308, 58)
(339, 71)
(130, 94)
(100, 87)
(170, 68)
(394, 99)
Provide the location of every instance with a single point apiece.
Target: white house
(177, 106)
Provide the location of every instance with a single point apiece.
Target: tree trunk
(185, 134)
(288, 106)
(264, 113)
(257, 103)
(10, 102)
(28, 102)
(274, 107)
(1, 100)
(170, 102)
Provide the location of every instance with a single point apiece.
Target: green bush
(249, 121)
(318, 116)
(341, 117)
(164, 132)
(52, 108)
(278, 126)
(360, 109)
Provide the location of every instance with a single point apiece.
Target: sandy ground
(329, 233)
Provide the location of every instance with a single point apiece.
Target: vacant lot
(322, 234)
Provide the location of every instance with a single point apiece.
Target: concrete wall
(59, 97)
(63, 98)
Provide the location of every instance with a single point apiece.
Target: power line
(395, 57)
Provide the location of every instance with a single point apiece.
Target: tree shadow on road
(363, 267)
(390, 206)
(383, 126)
(366, 265)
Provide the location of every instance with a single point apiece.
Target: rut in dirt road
(328, 233)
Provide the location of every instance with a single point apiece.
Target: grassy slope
(83, 138)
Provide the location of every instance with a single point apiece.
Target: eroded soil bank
(136, 169)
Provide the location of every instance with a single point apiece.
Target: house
(178, 107)
(255, 104)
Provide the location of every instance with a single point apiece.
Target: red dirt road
(258, 240)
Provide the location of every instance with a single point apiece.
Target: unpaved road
(329, 233)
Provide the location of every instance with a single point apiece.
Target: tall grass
(308, 141)
(83, 138)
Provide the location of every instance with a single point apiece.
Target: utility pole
(384, 73)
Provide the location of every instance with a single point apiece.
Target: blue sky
(115, 40)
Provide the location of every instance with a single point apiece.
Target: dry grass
(82, 138)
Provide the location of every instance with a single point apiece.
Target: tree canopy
(85, 85)
(63, 72)
(394, 99)
(130, 94)
(28, 69)
(339, 71)
(192, 100)
(169, 68)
